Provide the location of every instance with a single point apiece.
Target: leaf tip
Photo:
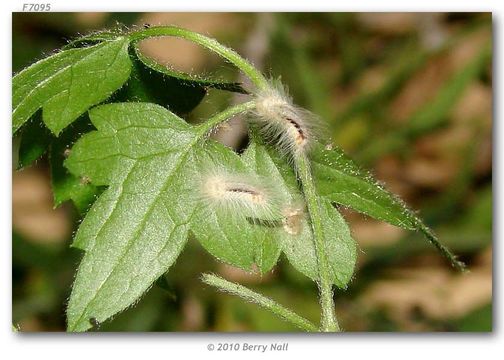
(452, 258)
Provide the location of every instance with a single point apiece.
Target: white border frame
(171, 345)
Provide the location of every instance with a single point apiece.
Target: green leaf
(67, 187)
(296, 238)
(136, 229)
(50, 83)
(68, 83)
(231, 237)
(340, 180)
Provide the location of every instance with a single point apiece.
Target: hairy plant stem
(219, 118)
(230, 55)
(265, 302)
(328, 318)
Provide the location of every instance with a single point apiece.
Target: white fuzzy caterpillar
(239, 194)
(283, 123)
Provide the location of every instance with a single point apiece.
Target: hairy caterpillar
(239, 194)
(283, 123)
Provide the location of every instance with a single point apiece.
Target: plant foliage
(120, 150)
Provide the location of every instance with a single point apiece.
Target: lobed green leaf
(136, 229)
(58, 89)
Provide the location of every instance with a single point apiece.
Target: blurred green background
(407, 95)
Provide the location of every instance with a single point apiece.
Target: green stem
(265, 302)
(230, 55)
(209, 125)
(328, 318)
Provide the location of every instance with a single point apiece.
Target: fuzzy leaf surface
(340, 180)
(136, 229)
(68, 83)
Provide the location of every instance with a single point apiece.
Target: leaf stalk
(328, 318)
(209, 125)
(230, 55)
(263, 301)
